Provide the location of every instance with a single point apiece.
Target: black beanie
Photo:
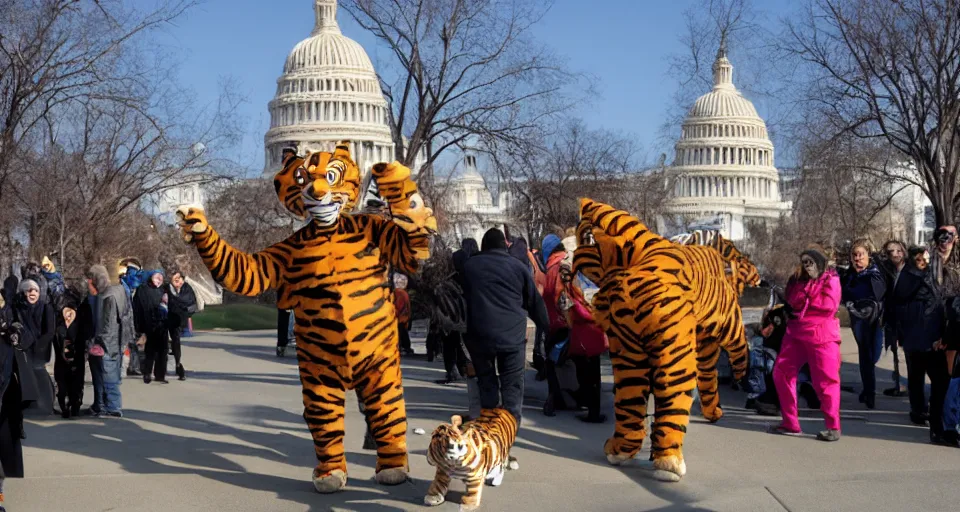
(493, 239)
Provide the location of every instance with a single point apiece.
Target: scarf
(30, 317)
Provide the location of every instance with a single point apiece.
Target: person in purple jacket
(812, 337)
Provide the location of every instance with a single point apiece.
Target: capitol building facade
(723, 175)
(329, 92)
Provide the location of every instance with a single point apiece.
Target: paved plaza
(232, 438)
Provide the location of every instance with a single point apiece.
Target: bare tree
(547, 179)
(890, 71)
(466, 68)
(55, 52)
(94, 126)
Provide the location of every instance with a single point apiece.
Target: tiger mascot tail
(476, 452)
(645, 304)
(333, 274)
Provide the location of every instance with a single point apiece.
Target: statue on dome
(333, 274)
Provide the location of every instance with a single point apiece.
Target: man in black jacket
(500, 295)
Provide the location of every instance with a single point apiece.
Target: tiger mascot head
(609, 240)
(320, 185)
(452, 446)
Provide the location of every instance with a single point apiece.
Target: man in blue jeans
(114, 330)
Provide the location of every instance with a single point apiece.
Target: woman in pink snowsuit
(812, 337)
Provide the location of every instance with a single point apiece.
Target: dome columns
(727, 186)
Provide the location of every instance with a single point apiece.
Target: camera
(944, 236)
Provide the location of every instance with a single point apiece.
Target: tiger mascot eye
(645, 305)
(475, 452)
(333, 274)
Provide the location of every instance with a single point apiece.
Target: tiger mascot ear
(456, 421)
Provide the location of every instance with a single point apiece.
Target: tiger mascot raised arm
(333, 274)
(645, 305)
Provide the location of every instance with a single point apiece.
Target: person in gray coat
(114, 330)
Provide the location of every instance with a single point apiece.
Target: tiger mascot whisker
(475, 452)
(333, 274)
(645, 304)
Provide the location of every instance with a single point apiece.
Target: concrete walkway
(232, 438)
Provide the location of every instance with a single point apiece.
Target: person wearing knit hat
(812, 337)
(28, 285)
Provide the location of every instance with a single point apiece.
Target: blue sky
(625, 43)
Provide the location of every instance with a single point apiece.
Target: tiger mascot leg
(655, 346)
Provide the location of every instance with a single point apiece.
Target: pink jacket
(815, 304)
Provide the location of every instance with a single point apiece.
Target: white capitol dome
(328, 92)
(723, 171)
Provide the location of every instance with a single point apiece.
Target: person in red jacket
(401, 301)
(587, 343)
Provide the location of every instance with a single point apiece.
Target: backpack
(450, 311)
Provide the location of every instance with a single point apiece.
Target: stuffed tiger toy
(741, 272)
(476, 452)
(333, 274)
(645, 305)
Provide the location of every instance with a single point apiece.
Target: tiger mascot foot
(392, 476)
(714, 415)
(669, 469)
(330, 483)
(432, 500)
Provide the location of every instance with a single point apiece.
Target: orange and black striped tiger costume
(475, 452)
(719, 325)
(333, 274)
(741, 272)
(645, 304)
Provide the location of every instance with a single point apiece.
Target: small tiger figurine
(476, 452)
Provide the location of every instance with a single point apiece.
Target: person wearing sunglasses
(931, 359)
(812, 337)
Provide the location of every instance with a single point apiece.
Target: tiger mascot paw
(617, 453)
(669, 469)
(714, 415)
(407, 206)
(392, 476)
(192, 221)
(432, 500)
(330, 483)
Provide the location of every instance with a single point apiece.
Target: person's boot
(64, 410)
(369, 443)
(181, 373)
(281, 351)
(809, 396)
(549, 407)
(146, 379)
(895, 392)
(75, 410)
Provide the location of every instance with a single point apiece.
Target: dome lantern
(326, 11)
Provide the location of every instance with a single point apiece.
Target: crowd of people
(41, 319)
(900, 299)
(501, 283)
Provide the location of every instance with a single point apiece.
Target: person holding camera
(932, 360)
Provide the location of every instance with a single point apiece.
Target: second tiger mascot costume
(333, 274)
(648, 302)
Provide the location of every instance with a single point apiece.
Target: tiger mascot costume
(645, 305)
(475, 452)
(740, 271)
(333, 274)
